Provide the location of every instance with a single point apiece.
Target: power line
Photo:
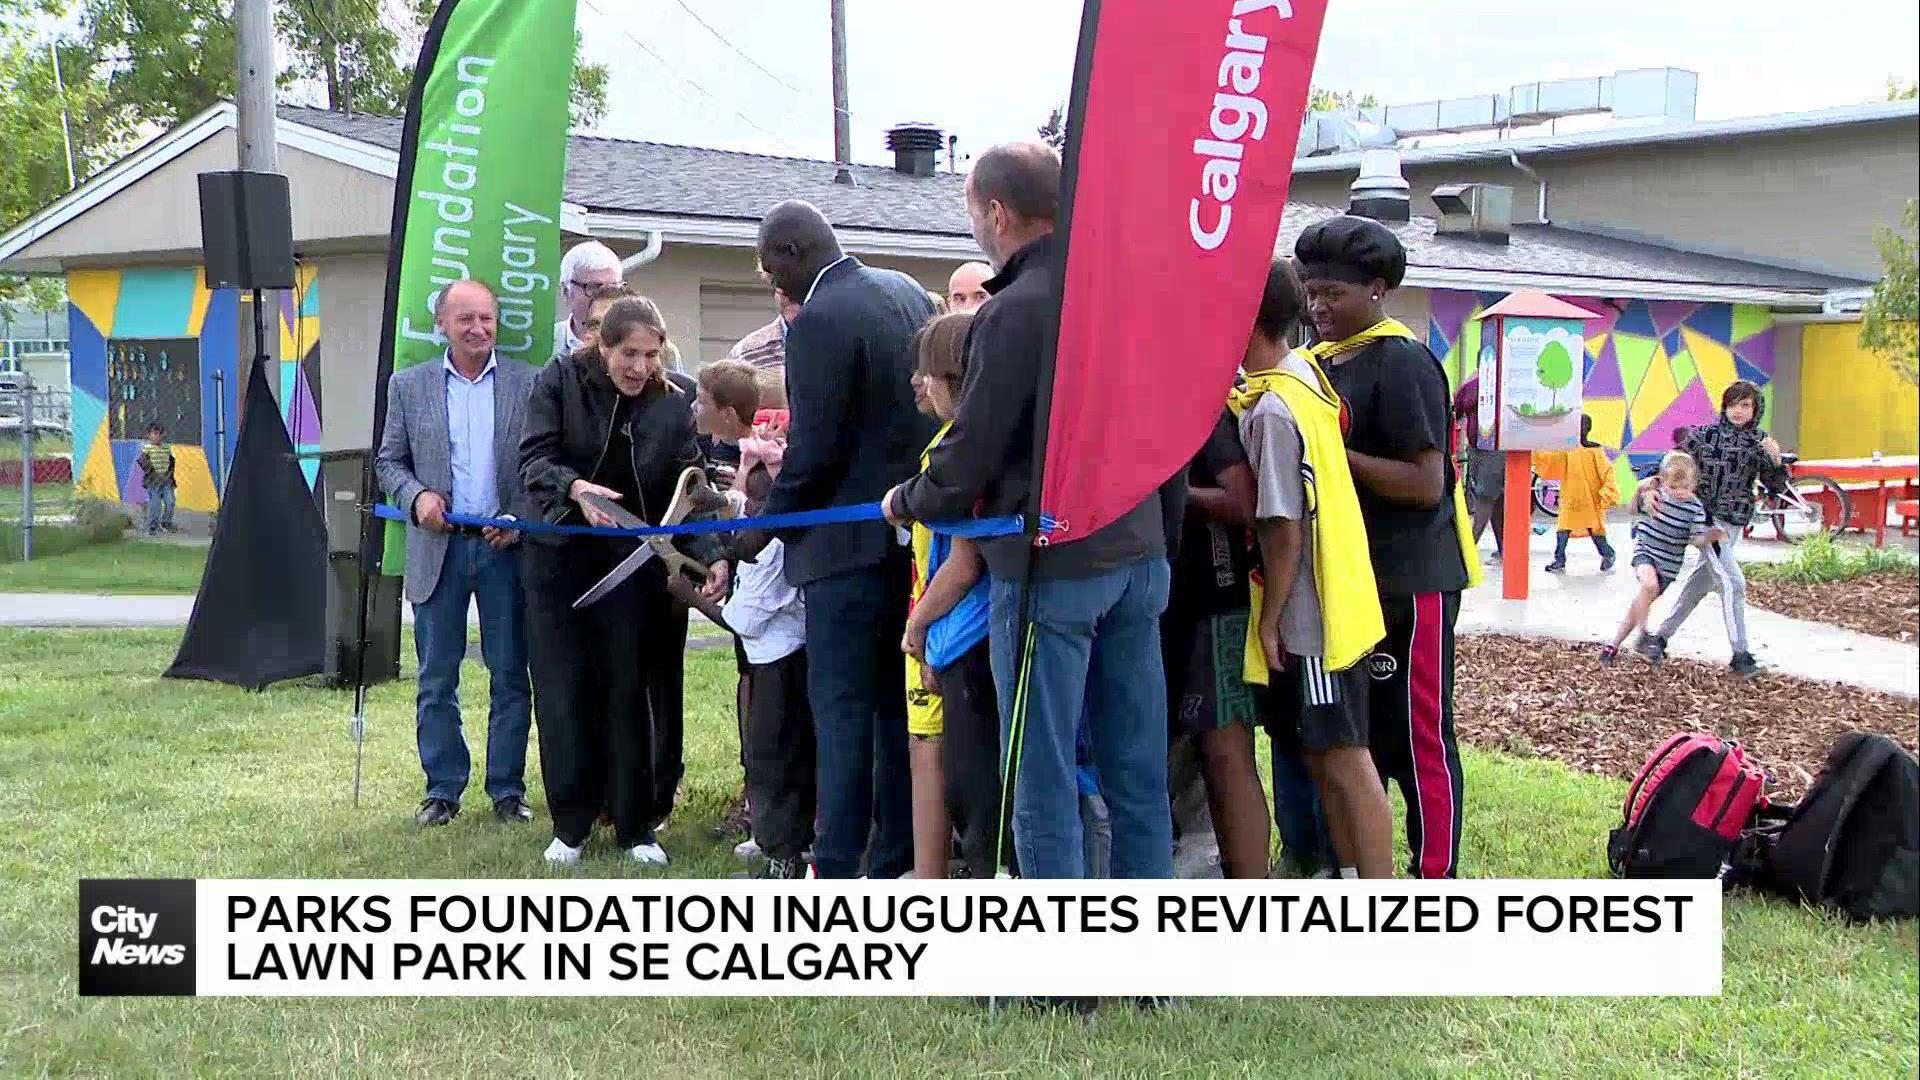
(762, 68)
(649, 50)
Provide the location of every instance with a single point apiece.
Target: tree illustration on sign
(1555, 369)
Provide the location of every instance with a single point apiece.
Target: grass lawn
(49, 500)
(108, 771)
(126, 567)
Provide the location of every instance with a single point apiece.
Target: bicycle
(1803, 506)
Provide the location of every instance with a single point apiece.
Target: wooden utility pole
(842, 117)
(253, 99)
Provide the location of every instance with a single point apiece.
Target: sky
(756, 77)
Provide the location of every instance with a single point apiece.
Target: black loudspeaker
(246, 230)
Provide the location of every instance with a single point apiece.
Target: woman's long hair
(628, 314)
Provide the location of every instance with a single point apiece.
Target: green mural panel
(1683, 369)
(1634, 353)
(1748, 320)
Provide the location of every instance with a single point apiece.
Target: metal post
(219, 433)
(26, 468)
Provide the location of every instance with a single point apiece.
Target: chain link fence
(36, 474)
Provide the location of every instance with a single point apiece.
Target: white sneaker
(747, 850)
(560, 854)
(648, 854)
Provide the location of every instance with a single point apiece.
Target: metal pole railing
(26, 469)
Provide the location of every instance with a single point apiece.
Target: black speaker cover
(261, 613)
(246, 230)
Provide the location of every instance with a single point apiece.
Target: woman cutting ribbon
(604, 422)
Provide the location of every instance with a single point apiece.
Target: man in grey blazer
(452, 444)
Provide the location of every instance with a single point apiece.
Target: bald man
(967, 288)
(452, 443)
(853, 432)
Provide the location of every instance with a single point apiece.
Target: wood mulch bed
(1552, 699)
(1884, 605)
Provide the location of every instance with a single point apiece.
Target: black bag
(1853, 843)
(1686, 809)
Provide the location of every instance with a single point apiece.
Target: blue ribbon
(973, 528)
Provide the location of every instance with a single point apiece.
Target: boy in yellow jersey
(156, 476)
(1318, 615)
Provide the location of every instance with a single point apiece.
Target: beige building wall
(1809, 199)
(156, 220)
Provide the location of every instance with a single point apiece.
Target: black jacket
(984, 467)
(853, 431)
(569, 430)
(1732, 459)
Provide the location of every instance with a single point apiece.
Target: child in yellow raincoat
(1587, 492)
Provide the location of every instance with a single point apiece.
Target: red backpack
(1686, 809)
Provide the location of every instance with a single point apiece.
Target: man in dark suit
(452, 443)
(853, 434)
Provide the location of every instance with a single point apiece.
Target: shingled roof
(619, 175)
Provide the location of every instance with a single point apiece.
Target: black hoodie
(1732, 459)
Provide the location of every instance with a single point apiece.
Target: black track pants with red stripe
(1411, 724)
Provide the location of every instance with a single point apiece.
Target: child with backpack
(1733, 455)
(1660, 541)
(1587, 492)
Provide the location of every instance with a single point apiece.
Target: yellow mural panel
(1852, 402)
(201, 298)
(95, 293)
(1657, 391)
(1609, 420)
(195, 479)
(96, 477)
(1714, 361)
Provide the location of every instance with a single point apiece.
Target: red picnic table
(1893, 478)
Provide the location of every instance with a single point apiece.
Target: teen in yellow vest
(1399, 449)
(1316, 611)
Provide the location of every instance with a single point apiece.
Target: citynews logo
(136, 937)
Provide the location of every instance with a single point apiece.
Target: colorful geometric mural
(300, 368)
(151, 344)
(1651, 366)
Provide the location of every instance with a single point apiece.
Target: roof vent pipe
(1539, 181)
(1380, 191)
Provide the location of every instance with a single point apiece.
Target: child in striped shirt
(1674, 522)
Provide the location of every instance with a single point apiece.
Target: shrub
(1821, 560)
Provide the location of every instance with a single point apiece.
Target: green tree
(168, 59)
(1898, 92)
(1555, 369)
(1321, 99)
(1887, 322)
(35, 146)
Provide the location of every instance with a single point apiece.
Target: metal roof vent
(916, 147)
(1476, 211)
(1380, 191)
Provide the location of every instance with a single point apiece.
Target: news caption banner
(455, 938)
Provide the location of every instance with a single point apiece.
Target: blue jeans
(473, 570)
(858, 692)
(160, 507)
(1095, 644)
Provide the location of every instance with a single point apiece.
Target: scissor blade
(615, 576)
(621, 516)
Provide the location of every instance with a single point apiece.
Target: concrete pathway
(1582, 605)
(1579, 606)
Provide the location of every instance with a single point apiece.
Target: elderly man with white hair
(584, 268)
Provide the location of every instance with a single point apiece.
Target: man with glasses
(585, 269)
